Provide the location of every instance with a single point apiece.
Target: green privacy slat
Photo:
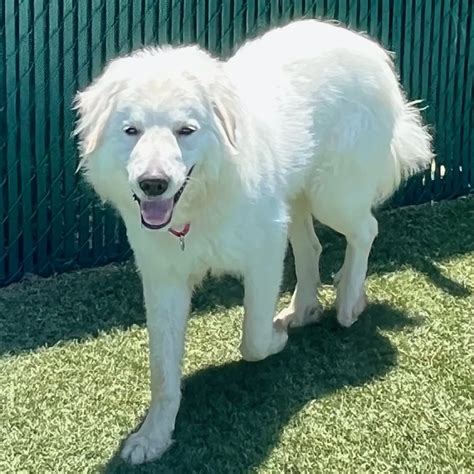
(459, 64)
(69, 87)
(416, 72)
(460, 38)
(396, 31)
(422, 84)
(83, 77)
(164, 12)
(201, 23)
(12, 194)
(240, 13)
(385, 27)
(110, 12)
(149, 22)
(214, 26)
(40, 155)
(136, 28)
(3, 150)
(50, 221)
(298, 8)
(408, 30)
(435, 96)
(373, 27)
(465, 88)
(227, 37)
(331, 9)
(263, 14)
(115, 13)
(454, 98)
(468, 110)
(342, 11)
(124, 31)
(128, 9)
(363, 19)
(176, 18)
(352, 8)
(445, 53)
(251, 17)
(449, 76)
(25, 56)
(275, 12)
(287, 10)
(55, 124)
(189, 23)
(98, 59)
(406, 61)
(110, 39)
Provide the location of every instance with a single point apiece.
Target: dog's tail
(411, 144)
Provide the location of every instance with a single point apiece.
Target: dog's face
(150, 124)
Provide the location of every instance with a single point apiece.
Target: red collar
(180, 233)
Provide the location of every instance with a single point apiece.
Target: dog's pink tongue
(156, 212)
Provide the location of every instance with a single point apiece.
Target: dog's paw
(279, 340)
(288, 317)
(139, 448)
(257, 352)
(346, 317)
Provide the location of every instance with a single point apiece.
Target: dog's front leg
(167, 308)
(262, 278)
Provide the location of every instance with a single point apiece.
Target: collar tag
(181, 234)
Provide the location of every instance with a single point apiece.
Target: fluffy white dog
(214, 165)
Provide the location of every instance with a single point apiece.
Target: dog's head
(153, 121)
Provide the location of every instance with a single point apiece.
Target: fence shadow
(232, 414)
(42, 312)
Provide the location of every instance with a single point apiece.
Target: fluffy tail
(411, 144)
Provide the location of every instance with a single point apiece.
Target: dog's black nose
(153, 186)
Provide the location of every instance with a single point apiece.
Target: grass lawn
(393, 393)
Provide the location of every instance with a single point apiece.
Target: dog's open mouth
(157, 213)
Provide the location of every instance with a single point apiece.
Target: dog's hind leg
(262, 279)
(350, 215)
(304, 307)
(351, 299)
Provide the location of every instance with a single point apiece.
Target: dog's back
(334, 99)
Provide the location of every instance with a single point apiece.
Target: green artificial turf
(392, 394)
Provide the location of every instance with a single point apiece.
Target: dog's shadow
(232, 415)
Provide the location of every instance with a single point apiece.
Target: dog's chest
(219, 252)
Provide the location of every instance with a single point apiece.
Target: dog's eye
(184, 131)
(128, 130)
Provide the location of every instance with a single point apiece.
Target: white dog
(214, 165)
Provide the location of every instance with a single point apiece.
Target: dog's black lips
(175, 200)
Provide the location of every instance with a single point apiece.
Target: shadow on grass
(42, 312)
(232, 415)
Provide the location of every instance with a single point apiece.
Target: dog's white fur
(308, 120)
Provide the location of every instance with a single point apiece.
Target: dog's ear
(94, 106)
(225, 105)
(226, 122)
